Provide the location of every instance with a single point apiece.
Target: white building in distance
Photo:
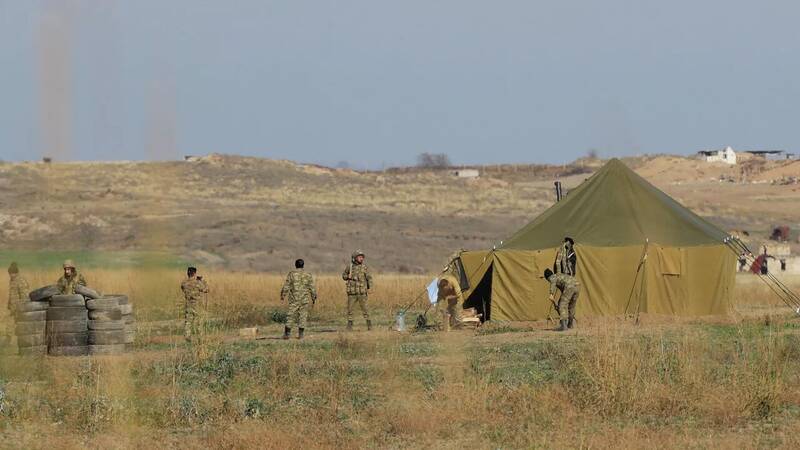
(726, 155)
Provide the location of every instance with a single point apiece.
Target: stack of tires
(130, 322)
(67, 326)
(31, 321)
(106, 326)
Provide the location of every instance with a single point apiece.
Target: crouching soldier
(66, 284)
(569, 288)
(300, 290)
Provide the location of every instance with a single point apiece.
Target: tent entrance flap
(481, 296)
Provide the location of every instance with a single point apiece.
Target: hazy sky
(376, 82)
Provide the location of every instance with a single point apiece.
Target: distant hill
(257, 214)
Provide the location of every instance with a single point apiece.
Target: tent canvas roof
(615, 207)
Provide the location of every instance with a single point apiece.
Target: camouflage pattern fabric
(357, 277)
(300, 290)
(563, 264)
(67, 285)
(361, 300)
(569, 288)
(17, 291)
(193, 290)
(450, 295)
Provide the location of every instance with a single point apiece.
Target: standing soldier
(193, 287)
(566, 258)
(358, 282)
(299, 288)
(569, 288)
(17, 288)
(71, 278)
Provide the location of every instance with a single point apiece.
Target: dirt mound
(675, 169)
(780, 170)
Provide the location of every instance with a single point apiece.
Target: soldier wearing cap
(66, 284)
(358, 282)
(17, 288)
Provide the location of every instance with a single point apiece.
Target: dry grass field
(668, 382)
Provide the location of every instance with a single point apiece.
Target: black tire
(24, 328)
(31, 340)
(33, 316)
(106, 325)
(100, 303)
(67, 326)
(121, 298)
(126, 309)
(67, 339)
(105, 314)
(33, 351)
(106, 337)
(32, 306)
(87, 292)
(59, 313)
(43, 294)
(80, 350)
(67, 301)
(109, 349)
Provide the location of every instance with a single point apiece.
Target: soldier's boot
(349, 325)
(562, 326)
(571, 322)
(300, 333)
(369, 324)
(286, 332)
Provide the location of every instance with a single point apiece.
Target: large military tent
(638, 251)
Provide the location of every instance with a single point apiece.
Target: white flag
(433, 291)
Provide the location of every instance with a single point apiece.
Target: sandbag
(23, 328)
(106, 325)
(32, 306)
(66, 326)
(87, 292)
(59, 313)
(106, 337)
(67, 339)
(105, 314)
(33, 316)
(105, 302)
(126, 309)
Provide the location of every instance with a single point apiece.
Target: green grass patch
(47, 259)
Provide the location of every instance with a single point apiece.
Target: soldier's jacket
(449, 288)
(563, 264)
(193, 289)
(357, 279)
(67, 285)
(562, 282)
(17, 290)
(299, 287)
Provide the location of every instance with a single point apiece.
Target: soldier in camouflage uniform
(17, 288)
(71, 278)
(566, 258)
(358, 281)
(193, 287)
(300, 290)
(569, 288)
(449, 294)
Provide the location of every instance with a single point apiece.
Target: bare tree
(433, 160)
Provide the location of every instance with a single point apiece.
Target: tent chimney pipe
(558, 191)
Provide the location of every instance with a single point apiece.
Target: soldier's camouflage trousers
(298, 314)
(454, 309)
(361, 299)
(566, 303)
(190, 320)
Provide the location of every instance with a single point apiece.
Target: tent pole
(642, 286)
(636, 277)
